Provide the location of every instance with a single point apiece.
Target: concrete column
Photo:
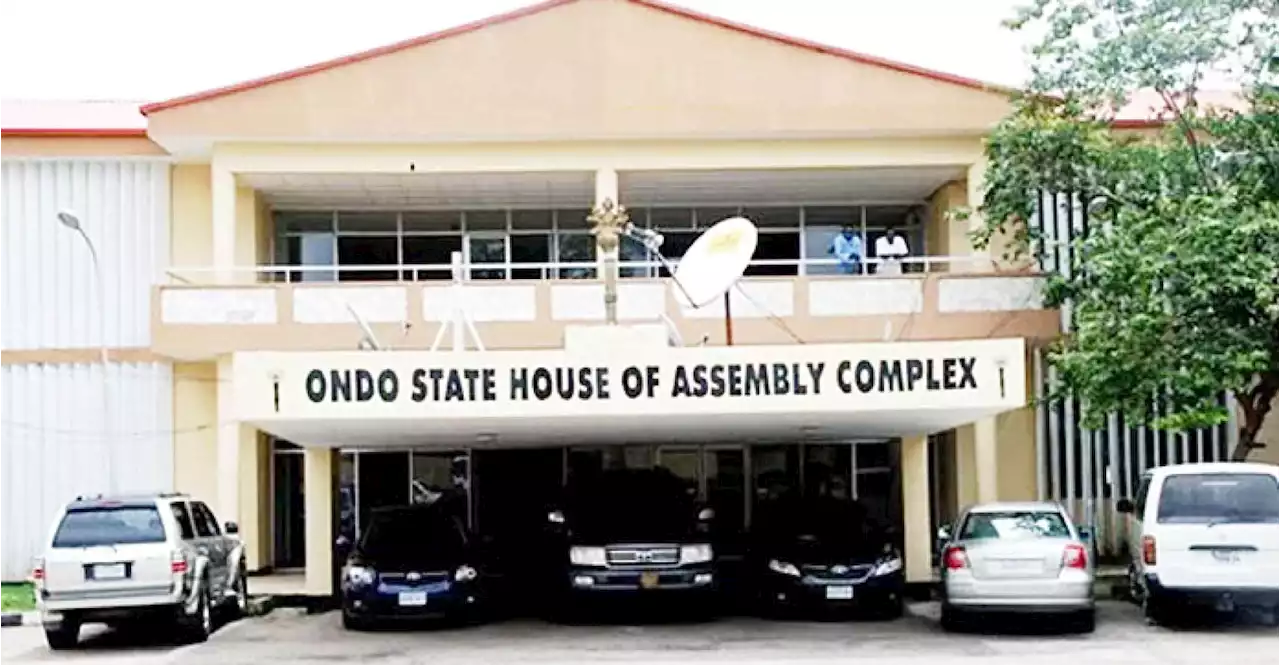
(230, 432)
(917, 531)
(966, 468)
(974, 179)
(319, 471)
(254, 487)
(606, 186)
(986, 459)
(223, 203)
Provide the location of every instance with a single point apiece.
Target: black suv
(633, 533)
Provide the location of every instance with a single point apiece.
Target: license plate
(1226, 556)
(839, 593)
(1015, 566)
(113, 571)
(648, 580)
(413, 598)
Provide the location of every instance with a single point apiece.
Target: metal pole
(728, 321)
(608, 220)
(459, 341)
(100, 288)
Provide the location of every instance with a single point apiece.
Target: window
(532, 248)
(1140, 498)
(821, 225)
(430, 251)
(368, 251)
(183, 517)
(577, 248)
(776, 246)
(206, 524)
(1238, 498)
(1014, 525)
(116, 525)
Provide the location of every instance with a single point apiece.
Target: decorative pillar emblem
(608, 220)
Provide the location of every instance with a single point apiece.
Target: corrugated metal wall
(1085, 469)
(55, 440)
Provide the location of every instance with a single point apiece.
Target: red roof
(551, 4)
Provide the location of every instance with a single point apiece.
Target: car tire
(1085, 622)
(240, 602)
(197, 627)
(354, 623)
(65, 635)
(950, 620)
(1154, 611)
(890, 610)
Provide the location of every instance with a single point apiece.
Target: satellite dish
(368, 341)
(715, 261)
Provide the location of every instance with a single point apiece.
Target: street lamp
(72, 221)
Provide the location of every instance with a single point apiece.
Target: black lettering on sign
(797, 385)
(419, 381)
(815, 371)
(339, 384)
(651, 379)
(602, 382)
(865, 376)
(680, 383)
(757, 380)
(364, 385)
(915, 372)
(315, 385)
(490, 385)
(388, 385)
(780, 384)
(699, 385)
(890, 376)
(541, 383)
(967, 380)
(519, 384)
(735, 380)
(843, 380)
(931, 379)
(632, 382)
(437, 375)
(717, 381)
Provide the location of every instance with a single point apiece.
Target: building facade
(252, 241)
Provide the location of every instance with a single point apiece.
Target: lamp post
(71, 221)
(608, 221)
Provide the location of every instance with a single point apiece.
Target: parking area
(288, 637)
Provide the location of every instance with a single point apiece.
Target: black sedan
(825, 555)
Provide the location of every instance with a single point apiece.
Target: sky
(149, 50)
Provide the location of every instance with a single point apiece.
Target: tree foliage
(1173, 289)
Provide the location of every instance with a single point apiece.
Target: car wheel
(1154, 611)
(241, 600)
(890, 610)
(65, 635)
(950, 620)
(350, 622)
(199, 625)
(1086, 622)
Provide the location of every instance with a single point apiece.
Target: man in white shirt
(891, 248)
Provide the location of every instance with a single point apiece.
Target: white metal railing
(547, 270)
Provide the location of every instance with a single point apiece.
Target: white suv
(123, 559)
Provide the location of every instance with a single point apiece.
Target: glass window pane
(631, 251)
(431, 251)
(533, 248)
(706, 217)
(572, 219)
(368, 251)
(311, 249)
(781, 246)
(576, 248)
(882, 217)
(676, 243)
(785, 218)
(294, 221)
(367, 222)
(109, 526)
(487, 249)
(818, 246)
(827, 470)
(435, 221)
(665, 219)
(873, 455)
(486, 220)
(537, 220)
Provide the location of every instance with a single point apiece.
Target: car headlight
(465, 574)
(784, 568)
(695, 553)
(586, 556)
(360, 575)
(888, 564)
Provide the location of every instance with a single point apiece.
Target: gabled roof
(550, 4)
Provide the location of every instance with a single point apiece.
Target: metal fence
(1088, 470)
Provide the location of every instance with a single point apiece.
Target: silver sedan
(1016, 558)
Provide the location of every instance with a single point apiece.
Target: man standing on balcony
(891, 248)
(847, 248)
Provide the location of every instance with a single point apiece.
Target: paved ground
(289, 638)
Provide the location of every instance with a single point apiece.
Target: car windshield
(1242, 498)
(123, 525)
(1015, 525)
(818, 530)
(630, 505)
(420, 534)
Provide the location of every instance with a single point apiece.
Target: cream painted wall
(195, 440)
(1016, 448)
(192, 219)
(942, 236)
(1269, 436)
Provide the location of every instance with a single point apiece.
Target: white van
(1205, 535)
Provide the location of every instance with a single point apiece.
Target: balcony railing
(561, 270)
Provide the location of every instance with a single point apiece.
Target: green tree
(1173, 289)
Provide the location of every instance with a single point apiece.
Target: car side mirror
(555, 517)
(1124, 506)
(342, 542)
(231, 528)
(706, 515)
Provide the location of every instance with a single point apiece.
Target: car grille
(854, 573)
(424, 577)
(647, 555)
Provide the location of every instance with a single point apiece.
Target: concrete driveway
(290, 638)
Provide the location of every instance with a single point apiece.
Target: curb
(13, 619)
